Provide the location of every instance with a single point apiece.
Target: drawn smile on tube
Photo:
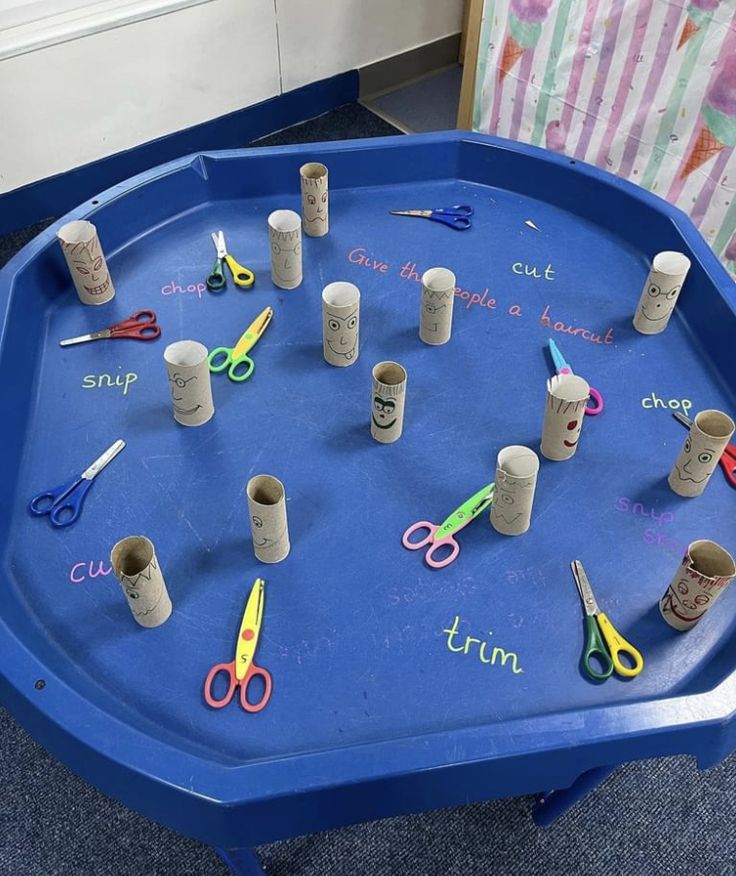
(573, 424)
(184, 411)
(98, 290)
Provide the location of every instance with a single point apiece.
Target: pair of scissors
(243, 669)
(444, 534)
(563, 368)
(603, 642)
(457, 217)
(140, 326)
(216, 278)
(233, 357)
(63, 504)
(728, 457)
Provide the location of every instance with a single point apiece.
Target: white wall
(71, 103)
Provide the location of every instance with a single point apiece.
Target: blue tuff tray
(376, 708)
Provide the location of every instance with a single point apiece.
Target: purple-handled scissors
(563, 368)
(457, 217)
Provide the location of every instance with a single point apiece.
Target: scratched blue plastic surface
(369, 703)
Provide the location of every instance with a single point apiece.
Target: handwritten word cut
(173, 288)
(359, 256)
(653, 401)
(80, 572)
(497, 655)
(625, 505)
(546, 320)
(532, 271)
(100, 381)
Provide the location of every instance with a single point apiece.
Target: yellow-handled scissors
(602, 640)
(233, 357)
(216, 279)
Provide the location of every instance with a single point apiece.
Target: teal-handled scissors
(444, 534)
(242, 276)
(562, 367)
(457, 217)
(233, 358)
(603, 642)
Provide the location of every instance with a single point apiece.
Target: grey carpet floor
(659, 818)
(429, 104)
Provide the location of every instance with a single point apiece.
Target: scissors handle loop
(219, 359)
(245, 684)
(241, 276)
(437, 546)
(617, 645)
(235, 373)
(216, 278)
(728, 464)
(595, 409)
(140, 325)
(416, 527)
(209, 682)
(42, 503)
(595, 648)
(459, 223)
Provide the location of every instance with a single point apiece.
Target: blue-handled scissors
(457, 217)
(563, 368)
(63, 504)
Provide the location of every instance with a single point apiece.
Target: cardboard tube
(189, 380)
(268, 523)
(513, 495)
(86, 261)
(709, 434)
(660, 292)
(315, 204)
(285, 237)
(567, 395)
(387, 402)
(137, 568)
(705, 572)
(438, 296)
(340, 323)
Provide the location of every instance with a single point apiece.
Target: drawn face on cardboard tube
(84, 257)
(438, 295)
(189, 382)
(268, 521)
(660, 293)
(285, 236)
(513, 495)
(387, 402)
(340, 323)
(315, 215)
(709, 434)
(137, 568)
(567, 395)
(705, 572)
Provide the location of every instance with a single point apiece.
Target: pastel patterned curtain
(643, 88)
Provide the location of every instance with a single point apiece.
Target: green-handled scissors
(603, 642)
(216, 279)
(444, 534)
(233, 357)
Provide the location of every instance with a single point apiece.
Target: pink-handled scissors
(563, 368)
(140, 326)
(444, 534)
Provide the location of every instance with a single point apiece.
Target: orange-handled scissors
(243, 669)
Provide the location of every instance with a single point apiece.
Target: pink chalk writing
(359, 256)
(174, 288)
(80, 572)
(546, 320)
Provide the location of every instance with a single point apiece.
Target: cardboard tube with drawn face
(661, 291)
(387, 402)
(189, 381)
(705, 572)
(567, 395)
(137, 568)
(285, 237)
(86, 261)
(268, 523)
(315, 214)
(438, 296)
(513, 495)
(709, 434)
(340, 323)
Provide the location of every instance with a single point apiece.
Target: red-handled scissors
(728, 457)
(242, 669)
(140, 326)
(562, 367)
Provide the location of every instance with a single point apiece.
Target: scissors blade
(218, 238)
(686, 421)
(108, 456)
(557, 356)
(424, 213)
(93, 336)
(252, 334)
(469, 510)
(250, 628)
(584, 588)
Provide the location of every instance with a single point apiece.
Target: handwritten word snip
(173, 288)
(652, 401)
(546, 320)
(626, 506)
(481, 652)
(98, 381)
(80, 572)
(531, 271)
(668, 544)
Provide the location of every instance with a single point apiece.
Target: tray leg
(242, 862)
(556, 803)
